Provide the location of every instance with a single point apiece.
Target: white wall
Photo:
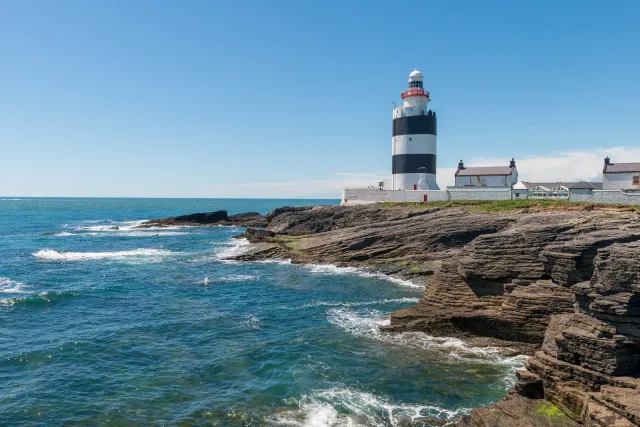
(619, 181)
(354, 196)
(491, 181)
(479, 193)
(413, 144)
(606, 196)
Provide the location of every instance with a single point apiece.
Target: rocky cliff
(561, 284)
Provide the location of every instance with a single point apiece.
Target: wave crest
(332, 269)
(324, 408)
(367, 325)
(10, 286)
(41, 298)
(52, 255)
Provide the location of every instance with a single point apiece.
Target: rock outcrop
(589, 364)
(563, 286)
(249, 219)
(560, 285)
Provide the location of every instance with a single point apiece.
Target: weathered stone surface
(518, 411)
(590, 360)
(529, 385)
(254, 235)
(565, 282)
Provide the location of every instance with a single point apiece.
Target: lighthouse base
(415, 181)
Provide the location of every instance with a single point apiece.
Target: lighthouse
(414, 139)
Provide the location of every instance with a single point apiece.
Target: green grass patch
(550, 410)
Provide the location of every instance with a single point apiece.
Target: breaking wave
(324, 408)
(41, 298)
(332, 269)
(121, 228)
(233, 247)
(52, 255)
(10, 286)
(367, 323)
(353, 304)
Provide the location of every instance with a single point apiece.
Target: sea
(105, 324)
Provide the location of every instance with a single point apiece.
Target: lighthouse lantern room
(414, 139)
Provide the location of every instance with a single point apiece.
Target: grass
(550, 410)
(509, 205)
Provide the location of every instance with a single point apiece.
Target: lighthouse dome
(415, 76)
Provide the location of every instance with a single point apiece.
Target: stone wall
(354, 196)
(606, 196)
(479, 193)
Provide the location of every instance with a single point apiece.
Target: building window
(517, 195)
(415, 84)
(636, 180)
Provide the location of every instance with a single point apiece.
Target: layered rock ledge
(560, 284)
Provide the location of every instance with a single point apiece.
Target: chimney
(460, 165)
(513, 163)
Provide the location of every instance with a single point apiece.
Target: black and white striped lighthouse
(414, 139)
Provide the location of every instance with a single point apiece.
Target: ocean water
(121, 326)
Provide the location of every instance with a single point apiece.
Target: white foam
(51, 255)
(319, 409)
(332, 269)
(122, 228)
(275, 261)
(353, 304)
(64, 234)
(233, 247)
(367, 325)
(10, 286)
(238, 278)
(111, 226)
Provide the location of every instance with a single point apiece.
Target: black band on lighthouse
(409, 163)
(415, 125)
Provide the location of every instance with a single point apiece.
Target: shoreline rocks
(249, 219)
(562, 286)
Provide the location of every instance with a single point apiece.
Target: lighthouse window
(415, 84)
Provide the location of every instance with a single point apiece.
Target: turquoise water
(153, 327)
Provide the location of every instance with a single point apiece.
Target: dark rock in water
(254, 235)
(203, 217)
(249, 219)
(114, 227)
(49, 233)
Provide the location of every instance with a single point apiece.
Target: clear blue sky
(291, 98)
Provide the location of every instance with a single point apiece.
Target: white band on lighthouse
(413, 140)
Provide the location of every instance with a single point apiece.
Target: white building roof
(485, 171)
(621, 168)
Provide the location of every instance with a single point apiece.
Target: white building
(487, 176)
(621, 176)
(413, 141)
(553, 190)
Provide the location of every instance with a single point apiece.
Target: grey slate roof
(485, 171)
(622, 167)
(574, 185)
